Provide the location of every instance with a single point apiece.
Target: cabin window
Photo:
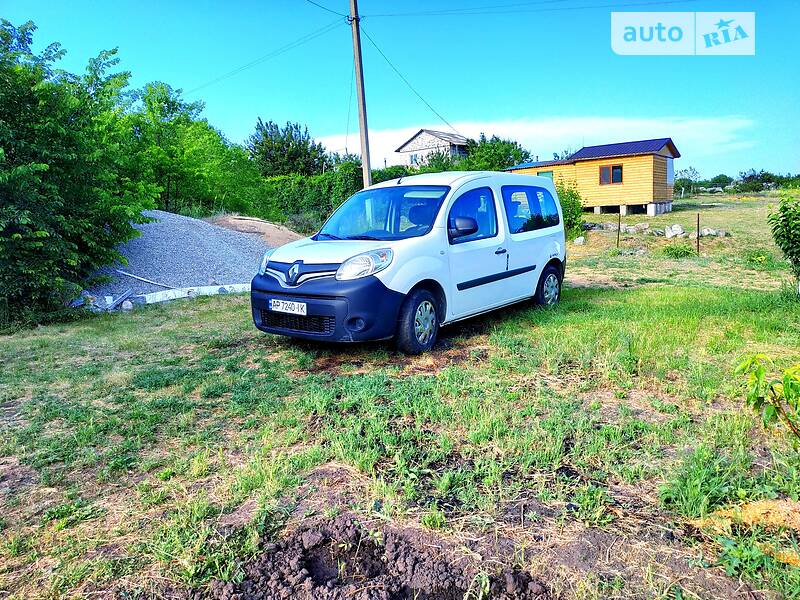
(610, 174)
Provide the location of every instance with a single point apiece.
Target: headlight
(365, 264)
(265, 260)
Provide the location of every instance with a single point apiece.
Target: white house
(427, 141)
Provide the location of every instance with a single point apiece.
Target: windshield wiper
(362, 237)
(330, 236)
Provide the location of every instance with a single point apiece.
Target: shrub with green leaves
(776, 399)
(68, 191)
(572, 208)
(785, 224)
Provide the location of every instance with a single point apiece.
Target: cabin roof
(636, 148)
(626, 149)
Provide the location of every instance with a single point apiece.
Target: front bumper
(337, 311)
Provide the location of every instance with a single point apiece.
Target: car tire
(548, 292)
(418, 323)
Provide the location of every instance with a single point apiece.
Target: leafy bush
(785, 224)
(678, 251)
(572, 208)
(68, 190)
(774, 398)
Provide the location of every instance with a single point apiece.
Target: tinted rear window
(529, 208)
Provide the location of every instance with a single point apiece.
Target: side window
(529, 208)
(611, 174)
(478, 204)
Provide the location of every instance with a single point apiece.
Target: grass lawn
(600, 445)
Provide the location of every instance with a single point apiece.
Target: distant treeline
(747, 182)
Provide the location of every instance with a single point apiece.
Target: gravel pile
(181, 252)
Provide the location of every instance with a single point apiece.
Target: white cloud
(695, 137)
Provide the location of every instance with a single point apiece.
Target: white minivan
(404, 257)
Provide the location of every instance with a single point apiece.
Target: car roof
(451, 178)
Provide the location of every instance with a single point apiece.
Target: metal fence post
(698, 234)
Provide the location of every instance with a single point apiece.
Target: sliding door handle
(500, 251)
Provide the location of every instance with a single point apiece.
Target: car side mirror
(462, 226)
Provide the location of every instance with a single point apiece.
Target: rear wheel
(418, 325)
(549, 290)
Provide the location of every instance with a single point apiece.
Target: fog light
(356, 324)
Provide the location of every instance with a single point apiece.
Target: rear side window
(529, 208)
(478, 204)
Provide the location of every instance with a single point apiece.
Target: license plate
(286, 306)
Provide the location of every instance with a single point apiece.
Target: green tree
(286, 150)
(493, 154)
(721, 180)
(155, 121)
(785, 224)
(68, 190)
(438, 161)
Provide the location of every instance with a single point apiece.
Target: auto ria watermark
(684, 33)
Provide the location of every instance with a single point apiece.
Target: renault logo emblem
(294, 271)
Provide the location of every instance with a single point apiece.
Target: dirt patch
(340, 360)
(576, 279)
(341, 558)
(274, 235)
(649, 406)
(11, 412)
(14, 476)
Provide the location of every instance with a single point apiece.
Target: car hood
(325, 251)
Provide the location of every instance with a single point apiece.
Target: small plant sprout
(434, 518)
(479, 587)
(376, 536)
(775, 398)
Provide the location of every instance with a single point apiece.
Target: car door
(533, 230)
(477, 261)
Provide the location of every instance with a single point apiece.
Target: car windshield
(387, 213)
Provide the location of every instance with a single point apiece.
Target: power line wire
(273, 54)
(411, 87)
(330, 10)
(508, 9)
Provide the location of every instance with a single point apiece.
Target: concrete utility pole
(362, 104)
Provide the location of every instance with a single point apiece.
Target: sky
(541, 72)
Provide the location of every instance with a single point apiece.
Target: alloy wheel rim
(550, 289)
(424, 322)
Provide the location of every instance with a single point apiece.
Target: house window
(545, 174)
(610, 174)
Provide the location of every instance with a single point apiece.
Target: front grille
(319, 324)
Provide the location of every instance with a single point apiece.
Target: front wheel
(418, 324)
(549, 290)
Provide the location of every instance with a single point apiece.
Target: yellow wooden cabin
(634, 176)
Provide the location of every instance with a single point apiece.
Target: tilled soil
(340, 559)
